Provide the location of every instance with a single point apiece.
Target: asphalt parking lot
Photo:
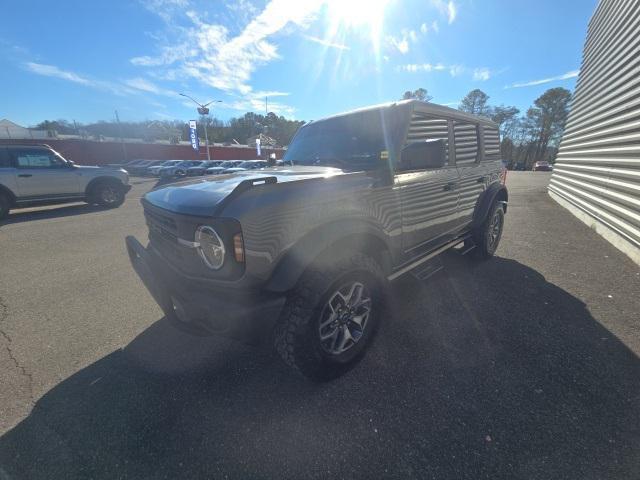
(523, 367)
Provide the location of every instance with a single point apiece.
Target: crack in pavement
(4, 314)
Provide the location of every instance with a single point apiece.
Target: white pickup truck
(33, 175)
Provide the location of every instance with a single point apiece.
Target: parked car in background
(226, 164)
(302, 255)
(32, 175)
(155, 170)
(202, 168)
(248, 165)
(142, 169)
(542, 167)
(179, 169)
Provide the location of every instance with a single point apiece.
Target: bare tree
(419, 94)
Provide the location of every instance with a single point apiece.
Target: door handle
(25, 175)
(450, 186)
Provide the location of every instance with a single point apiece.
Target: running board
(428, 269)
(427, 257)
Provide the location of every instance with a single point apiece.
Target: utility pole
(203, 110)
(124, 148)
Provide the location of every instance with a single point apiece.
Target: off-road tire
(113, 199)
(485, 237)
(297, 338)
(5, 205)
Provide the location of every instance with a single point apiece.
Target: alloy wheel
(344, 318)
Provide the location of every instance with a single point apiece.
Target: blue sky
(83, 60)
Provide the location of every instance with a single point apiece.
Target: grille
(162, 225)
(163, 234)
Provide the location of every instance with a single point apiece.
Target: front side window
(466, 142)
(37, 158)
(424, 128)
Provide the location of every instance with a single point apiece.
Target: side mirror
(71, 163)
(423, 155)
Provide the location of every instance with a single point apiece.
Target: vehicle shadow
(485, 371)
(66, 210)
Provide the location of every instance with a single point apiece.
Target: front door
(41, 173)
(429, 197)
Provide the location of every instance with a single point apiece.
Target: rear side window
(424, 127)
(466, 142)
(4, 158)
(491, 143)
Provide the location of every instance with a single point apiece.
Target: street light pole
(203, 110)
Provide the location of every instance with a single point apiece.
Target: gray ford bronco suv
(301, 254)
(33, 175)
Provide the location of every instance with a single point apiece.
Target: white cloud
(446, 9)
(422, 67)
(401, 44)
(481, 74)
(228, 63)
(435, 27)
(145, 85)
(424, 28)
(456, 70)
(56, 72)
(53, 71)
(326, 43)
(452, 12)
(209, 53)
(531, 83)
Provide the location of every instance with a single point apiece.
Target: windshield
(353, 142)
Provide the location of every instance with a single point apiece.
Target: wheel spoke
(346, 336)
(333, 333)
(326, 322)
(355, 294)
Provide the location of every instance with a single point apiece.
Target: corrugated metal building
(597, 172)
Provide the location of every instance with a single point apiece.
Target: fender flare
(341, 234)
(6, 191)
(496, 191)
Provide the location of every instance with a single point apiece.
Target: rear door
(429, 197)
(472, 174)
(41, 173)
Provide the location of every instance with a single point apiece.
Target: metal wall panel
(597, 170)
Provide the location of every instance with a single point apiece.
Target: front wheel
(331, 316)
(108, 195)
(487, 236)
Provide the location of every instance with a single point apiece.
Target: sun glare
(364, 15)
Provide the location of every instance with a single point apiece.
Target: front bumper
(243, 314)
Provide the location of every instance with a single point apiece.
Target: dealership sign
(193, 135)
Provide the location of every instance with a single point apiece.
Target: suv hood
(201, 196)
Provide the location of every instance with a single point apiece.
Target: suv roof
(26, 145)
(420, 106)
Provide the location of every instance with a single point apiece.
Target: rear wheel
(331, 316)
(487, 236)
(5, 205)
(107, 194)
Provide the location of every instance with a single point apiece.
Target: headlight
(210, 247)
